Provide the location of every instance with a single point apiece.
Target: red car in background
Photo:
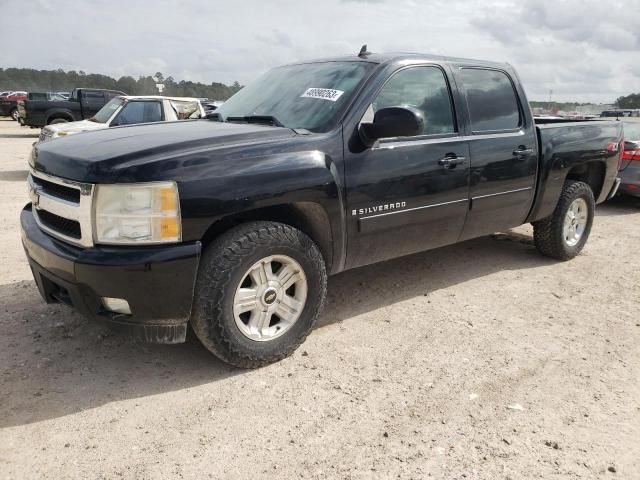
(9, 104)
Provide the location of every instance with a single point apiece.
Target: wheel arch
(59, 114)
(308, 217)
(591, 173)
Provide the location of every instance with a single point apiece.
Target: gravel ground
(480, 360)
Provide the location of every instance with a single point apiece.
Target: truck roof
(159, 97)
(380, 58)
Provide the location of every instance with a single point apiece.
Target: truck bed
(563, 145)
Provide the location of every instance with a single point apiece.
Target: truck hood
(74, 127)
(119, 154)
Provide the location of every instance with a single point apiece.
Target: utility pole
(550, 93)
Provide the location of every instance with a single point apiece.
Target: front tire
(261, 287)
(563, 235)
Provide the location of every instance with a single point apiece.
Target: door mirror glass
(392, 122)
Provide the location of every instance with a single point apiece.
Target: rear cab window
(491, 99)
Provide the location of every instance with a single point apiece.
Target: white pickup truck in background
(129, 110)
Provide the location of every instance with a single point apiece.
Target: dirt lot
(480, 360)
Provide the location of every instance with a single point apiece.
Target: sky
(581, 50)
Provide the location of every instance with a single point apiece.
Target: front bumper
(157, 282)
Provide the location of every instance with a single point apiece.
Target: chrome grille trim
(80, 212)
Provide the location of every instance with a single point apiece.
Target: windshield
(632, 131)
(308, 96)
(105, 113)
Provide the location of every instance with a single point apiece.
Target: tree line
(565, 106)
(630, 101)
(32, 80)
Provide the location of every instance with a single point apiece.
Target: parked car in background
(9, 104)
(621, 112)
(82, 104)
(630, 167)
(11, 93)
(130, 110)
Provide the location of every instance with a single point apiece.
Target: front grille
(56, 190)
(63, 208)
(64, 226)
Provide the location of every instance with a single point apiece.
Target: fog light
(117, 305)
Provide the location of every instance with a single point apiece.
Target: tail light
(632, 154)
(620, 153)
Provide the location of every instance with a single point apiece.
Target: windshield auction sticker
(323, 93)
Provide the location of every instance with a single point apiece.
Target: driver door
(403, 195)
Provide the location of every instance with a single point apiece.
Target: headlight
(137, 213)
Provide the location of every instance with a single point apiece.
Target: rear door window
(492, 100)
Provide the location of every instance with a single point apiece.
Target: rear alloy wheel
(575, 222)
(261, 287)
(14, 114)
(564, 234)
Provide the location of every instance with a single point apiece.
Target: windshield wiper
(268, 119)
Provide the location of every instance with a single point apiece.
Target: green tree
(58, 80)
(630, 101)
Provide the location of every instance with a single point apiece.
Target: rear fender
(585, 152)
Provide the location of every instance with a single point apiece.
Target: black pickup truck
(234, 223)
(83, 103)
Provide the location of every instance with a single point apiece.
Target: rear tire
(58, 120)
(563, 235)
(228, 267)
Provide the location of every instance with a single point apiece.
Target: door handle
(451, 161)
(522, 152)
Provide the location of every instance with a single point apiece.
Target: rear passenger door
(503, 150)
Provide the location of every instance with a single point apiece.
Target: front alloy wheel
(270, 298)
(261, 287)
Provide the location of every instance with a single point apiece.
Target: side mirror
(392, 122)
